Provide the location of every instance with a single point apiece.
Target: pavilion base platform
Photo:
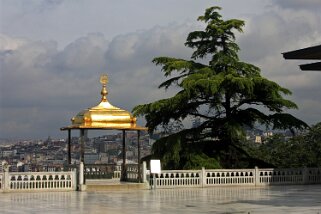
(93, 185)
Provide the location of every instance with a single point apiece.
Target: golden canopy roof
(104, 115)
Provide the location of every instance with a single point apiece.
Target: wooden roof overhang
(136, 128)
(310, 53)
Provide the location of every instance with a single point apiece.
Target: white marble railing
(282, 176)
(111, 171)
(100, 171)
(132, 172)
(177, 178)
(314, 175)
(38, 181)
(117, 175)
(230, 177)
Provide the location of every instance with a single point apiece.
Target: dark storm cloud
(298, 4)
(37, 6)
(43, 87)
(81, 56)
(44, 83)
(129, 62)
(277, 31)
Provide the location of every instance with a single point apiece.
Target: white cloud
(10, 43)
(65, 21)
(38, 76)
(82, 56)
(279, 30)
(43, 83)
(51, 85)
(298, 4)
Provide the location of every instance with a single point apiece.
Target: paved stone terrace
(271, 199)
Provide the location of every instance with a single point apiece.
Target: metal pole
(82, 156)
(82, 145)
(138, 146)
(69, 146)
(123, 169)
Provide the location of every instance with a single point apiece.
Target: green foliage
(224, 93)
(299, 151)
(176, 151)
(197, 161)
(167, 150)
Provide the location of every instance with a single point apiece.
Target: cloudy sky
(52, 53)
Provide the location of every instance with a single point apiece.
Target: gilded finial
(104, 79)
(104, 92)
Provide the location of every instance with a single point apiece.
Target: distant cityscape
(51, 154)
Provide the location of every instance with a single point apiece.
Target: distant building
(92, 158)
(7, 153)
(258, 139)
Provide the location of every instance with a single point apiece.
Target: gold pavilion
(104, 116)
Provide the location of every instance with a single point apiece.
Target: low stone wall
(100, 171)
(229, 177)
(38, 181)
(67, 181)
(132, 172)
(290, 176)
(237, 177)
(113, 171)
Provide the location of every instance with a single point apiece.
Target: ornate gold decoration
(104, 80)
(104, 115)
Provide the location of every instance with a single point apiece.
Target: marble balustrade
(110, 171)
(236, 177)
(37, 181)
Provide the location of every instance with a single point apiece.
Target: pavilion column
(69, 146)
(123, 168)
(138, 156)
(82, 145)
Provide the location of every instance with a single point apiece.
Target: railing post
(305, 174)
(154, 181)
(74, 179)
(144, 172)
(203, 177)
(6, 179)
(256, 176)
(81, 185)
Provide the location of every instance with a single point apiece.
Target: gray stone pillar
(256, 176)
(74, 179)
(203, 177)
(305, 174)
(81, 176)
(6, 178)
(144, 178)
